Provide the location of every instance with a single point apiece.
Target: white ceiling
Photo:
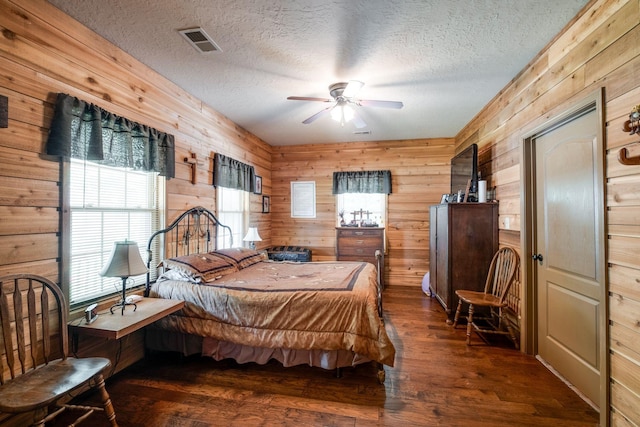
(444, 59)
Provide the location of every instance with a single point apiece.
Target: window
(108, 204)
(372, 205)
(361, 196)
(233, 211)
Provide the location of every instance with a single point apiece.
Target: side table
(117, 325)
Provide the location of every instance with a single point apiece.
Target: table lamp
(124, 262)
(252, 237)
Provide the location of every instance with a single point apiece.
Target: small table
(117, 325)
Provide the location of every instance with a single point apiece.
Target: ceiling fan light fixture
(336, 113)
(342, 113)
(343, 101)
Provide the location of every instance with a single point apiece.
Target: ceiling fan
(341, 110)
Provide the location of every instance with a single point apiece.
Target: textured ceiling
(444, 59)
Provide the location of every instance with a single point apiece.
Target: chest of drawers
(463, 239)
(360, 244)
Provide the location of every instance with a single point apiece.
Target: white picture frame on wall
(303, 199)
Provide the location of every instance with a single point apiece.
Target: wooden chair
(35, 372)
(502, 274)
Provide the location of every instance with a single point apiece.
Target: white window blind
(233, 210)
(107, 205)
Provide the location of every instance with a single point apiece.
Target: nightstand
(117, 325)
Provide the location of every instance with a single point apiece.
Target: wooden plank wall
(42, 52)
(420, 171)
(601, 48)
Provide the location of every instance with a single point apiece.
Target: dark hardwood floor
(437, 381)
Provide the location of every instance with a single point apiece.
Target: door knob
(537, 257)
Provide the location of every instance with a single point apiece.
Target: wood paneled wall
(42, 52)
(420, 171)
(600, 48)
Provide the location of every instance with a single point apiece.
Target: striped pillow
(240, 257)
(206, 267)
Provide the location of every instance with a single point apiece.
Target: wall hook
(623, 157)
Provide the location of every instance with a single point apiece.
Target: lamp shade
(125, 261)
(252, 235)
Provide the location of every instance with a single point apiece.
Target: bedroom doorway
(564, 247)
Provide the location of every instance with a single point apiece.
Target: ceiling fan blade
(318, 115)
(353, 87)
(357, 121)
(383, 104)
(305, 98)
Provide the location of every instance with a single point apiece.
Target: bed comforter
(308, 306)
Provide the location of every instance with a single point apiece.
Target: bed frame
(197, 230)
(194, 231)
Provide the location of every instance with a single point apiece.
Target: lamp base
(123, 302)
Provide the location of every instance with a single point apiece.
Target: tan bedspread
(319, 305)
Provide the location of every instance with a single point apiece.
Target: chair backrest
(502, 273)
(33, 324)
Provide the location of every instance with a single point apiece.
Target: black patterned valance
(362, 182)
(85, 131)
(231, 173)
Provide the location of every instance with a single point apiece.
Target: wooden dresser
(463, 239)
(360, 244)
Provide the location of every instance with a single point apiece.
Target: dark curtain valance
(362, 182)
(85, 131)
(231, 173)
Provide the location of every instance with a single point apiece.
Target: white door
(569, 250)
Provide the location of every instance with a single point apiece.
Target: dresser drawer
(359, 246)
(360, 232)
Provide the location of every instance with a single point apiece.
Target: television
(464, 167)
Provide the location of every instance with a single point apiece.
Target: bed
(241, 305)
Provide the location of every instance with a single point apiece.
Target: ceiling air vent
(200, 40)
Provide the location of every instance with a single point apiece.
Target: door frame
(528, 338)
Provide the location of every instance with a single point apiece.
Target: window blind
(108, 204)
(233, 211)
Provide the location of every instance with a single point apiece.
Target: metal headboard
(194, 231)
